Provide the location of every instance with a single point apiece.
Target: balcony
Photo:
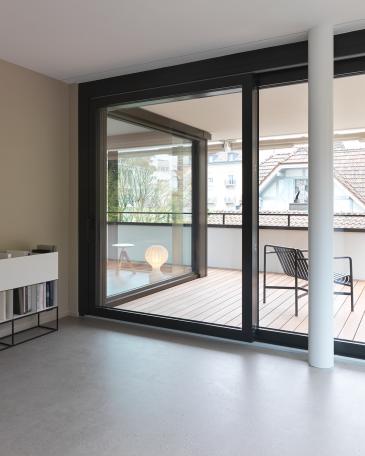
(217, 297)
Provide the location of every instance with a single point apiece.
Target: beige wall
(35, 167)
(73, 201)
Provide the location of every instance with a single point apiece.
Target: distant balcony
(230, 181)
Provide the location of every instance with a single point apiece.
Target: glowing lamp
(156, 256)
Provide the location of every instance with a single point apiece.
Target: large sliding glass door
(157, 232)
(173, 210)
(134, 242)
(283, 215)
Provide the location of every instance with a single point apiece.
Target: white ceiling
(117, 127)
(78, 40)
(220, 115)
(283, 110)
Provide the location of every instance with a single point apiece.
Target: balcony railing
(299, 220)
(148, 217)
(267, 219)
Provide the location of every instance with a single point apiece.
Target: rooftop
(349, 166)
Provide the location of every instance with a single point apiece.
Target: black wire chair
(295, 264)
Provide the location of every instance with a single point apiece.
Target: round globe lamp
(156, 256)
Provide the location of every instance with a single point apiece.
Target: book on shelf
(48, 294)
(51, 294)
(45, 295)
(6, 305)
(2, 305)
(20, 301)
(28, 291)
(32, 298)
(9, 304)
(40, 296)
(32, 291)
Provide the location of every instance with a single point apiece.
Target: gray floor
(104, 388)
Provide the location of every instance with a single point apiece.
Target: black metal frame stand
(14, 333)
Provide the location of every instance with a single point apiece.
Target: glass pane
(216, 298)
(349, 208)
(165, 218)
(225, 227)
(283, 208)
(149, 204)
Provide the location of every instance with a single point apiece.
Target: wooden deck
(217, 299)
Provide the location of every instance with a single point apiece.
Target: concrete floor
(106, 388)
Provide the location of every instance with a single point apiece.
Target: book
(20, 301)
(32, 298)
(44, 291)
(51, 293)
(2, 305)
(48, 294)
(39, 296)
(34, 303)
(9, 304)
(54, 293)
(29, 298)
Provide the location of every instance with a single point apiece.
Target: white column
(320, 67)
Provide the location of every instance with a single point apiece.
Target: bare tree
(134, 187)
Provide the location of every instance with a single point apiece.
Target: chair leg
(352, 296)
(296, 282)
(296, 296)
(296, 301)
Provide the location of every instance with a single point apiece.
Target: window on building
(230, 180)
(232, 156)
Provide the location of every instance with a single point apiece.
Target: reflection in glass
(148, 206)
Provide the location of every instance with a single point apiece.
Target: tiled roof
(271, 164)
(294, 219)
(299, 220)
(349, 167)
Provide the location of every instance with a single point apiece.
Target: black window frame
(253, 70)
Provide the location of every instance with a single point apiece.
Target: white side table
(123, 256)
